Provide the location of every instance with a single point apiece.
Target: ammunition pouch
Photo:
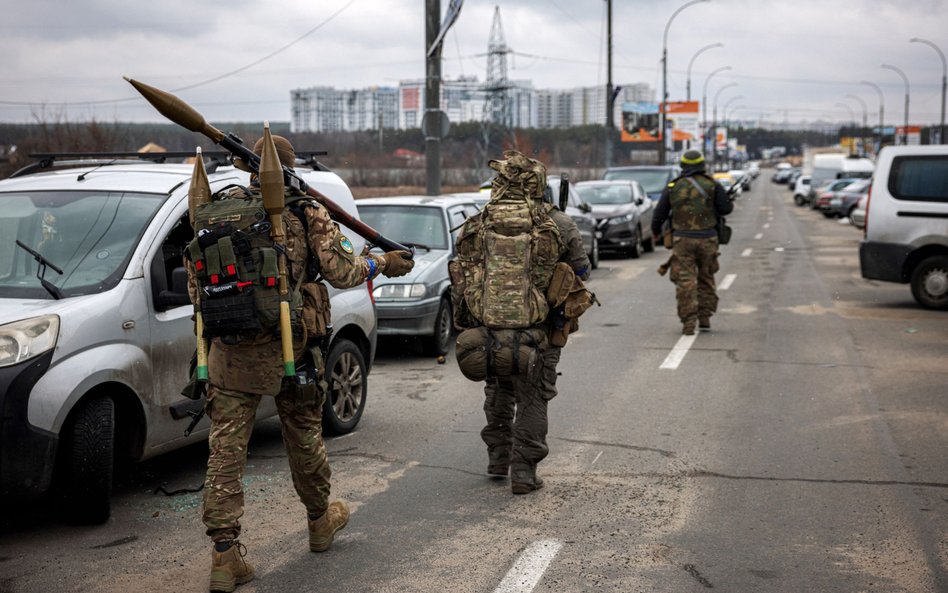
(317, 317)
(485, 353)
(668, 239)
(463, 318)
(568, 298)
(724, 231)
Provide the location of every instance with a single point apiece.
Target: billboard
(641, 122)
(721, 139)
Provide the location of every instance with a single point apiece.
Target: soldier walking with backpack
(511, 255)
(233, 266)
(694, 202)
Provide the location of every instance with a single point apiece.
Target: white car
(96, 335)
(801, 189)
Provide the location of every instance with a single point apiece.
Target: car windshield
(605, 194)
(652, 180)
(88, 235)
(419, 225)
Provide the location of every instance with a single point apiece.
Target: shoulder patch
(345, 244)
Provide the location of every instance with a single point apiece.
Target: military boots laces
(229, 569)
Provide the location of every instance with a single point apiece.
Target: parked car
(795, 174)
(654, 178)
(93, 359)
(844, 201)
(579, 211)
(858, 215)
(782, 173)
(823, 195)
(727, 181)
(623, 214)
(742, 177)
(801, 189)
(418, 304)
(753, 168)
(827, 167)
(906, 235)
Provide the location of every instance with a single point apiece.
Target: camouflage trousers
(232, 416)
(693, 265)
(517, 419)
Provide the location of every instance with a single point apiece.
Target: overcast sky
(794, 60)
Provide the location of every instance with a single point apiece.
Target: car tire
(439, 342)
(649, 245)
(87, 462)
(636, 250)
(930, 282)
(346, 377)
(798, 200)
(594, 255)
(829, 214)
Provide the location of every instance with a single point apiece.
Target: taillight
(865, 222)
(371, 296)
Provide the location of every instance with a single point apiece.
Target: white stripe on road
(766, 226)
(527, 571)
(727, 282)
(677, 354)
(759, 236)
(596, 459)
(747, 252)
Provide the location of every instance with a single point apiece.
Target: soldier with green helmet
(244, 367)
(693, 202)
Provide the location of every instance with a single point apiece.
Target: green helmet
(692, 158)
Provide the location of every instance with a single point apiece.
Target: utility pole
(432, 99)
(610, 96)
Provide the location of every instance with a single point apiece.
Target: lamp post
(852, 120)
(944, 81)
(661, 150)
(729, 114)
(865, 116)
(714, 124)
(881, 109)
(704, 104)
(906, 81)
(691, 63)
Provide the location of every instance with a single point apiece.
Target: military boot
(322, 529)
(228, 568)
(526, 487)
(688, 327)
(498, 469)
(704, 324)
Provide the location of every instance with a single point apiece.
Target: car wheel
(930, 282)
(649, 244)
(594, 255)
(829, 214)
(88, 458)
(798, 200)
(345, 400)
(636, 250)
(440, 341)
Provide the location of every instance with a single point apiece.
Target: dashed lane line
(759, 236)
(747, 252)
(727, 282)
(677, 354)
(527, 571)
(766, 226)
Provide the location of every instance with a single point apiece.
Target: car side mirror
(178, 295)
(639, 201)
(585, 207)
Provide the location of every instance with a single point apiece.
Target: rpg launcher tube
(201, 369)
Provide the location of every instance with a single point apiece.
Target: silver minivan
(96, 334)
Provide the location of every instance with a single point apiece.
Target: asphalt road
(799, 446)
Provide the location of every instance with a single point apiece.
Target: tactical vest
(692, 211)
(235, 262)
(506, 254)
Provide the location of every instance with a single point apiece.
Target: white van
(829, 167)
(96, 336)
(906, 236)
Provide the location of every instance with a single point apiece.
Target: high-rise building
(466, 100)
(325, 109)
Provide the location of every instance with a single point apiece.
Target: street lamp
(881, 109)
(704, 102)
(865, 116)
(691, 63)
(729, 114)
(726, 103)
(906, 81)
(661, 151)
(714, 125)
(944, 81)
(852, 115)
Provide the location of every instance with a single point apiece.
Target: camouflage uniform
(241, 373)
(516, 408)
(694, 214)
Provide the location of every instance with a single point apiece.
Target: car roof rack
(49, 160)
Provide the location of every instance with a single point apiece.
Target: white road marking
(596, 459)
(766, 226)
(747, 252)
(759, 236)
(778, 248)
(527, 571)
(727, 282)
(677, 354)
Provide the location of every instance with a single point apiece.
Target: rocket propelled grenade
(187, 117)
(199, 192)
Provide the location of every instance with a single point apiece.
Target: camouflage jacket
(256, 365)
(692, 214)
(575, 254)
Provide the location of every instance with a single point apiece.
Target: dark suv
(653, 178)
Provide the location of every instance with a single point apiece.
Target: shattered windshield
(89, 235)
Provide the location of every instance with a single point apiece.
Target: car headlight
(23, 340)
(621, 219)
(398, 292)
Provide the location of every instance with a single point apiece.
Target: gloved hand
(396, 263)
